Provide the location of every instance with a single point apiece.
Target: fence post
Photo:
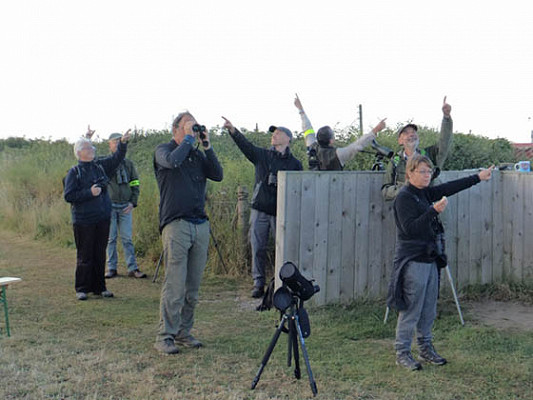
(243, 218)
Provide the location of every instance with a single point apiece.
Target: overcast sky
(120, 64)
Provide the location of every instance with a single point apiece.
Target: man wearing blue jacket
(182, 171)
(267, 163)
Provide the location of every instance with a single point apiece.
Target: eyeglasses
(425, 171)
(87, 148)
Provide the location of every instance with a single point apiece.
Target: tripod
(290, 323)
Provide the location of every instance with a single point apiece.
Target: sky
(124, 64)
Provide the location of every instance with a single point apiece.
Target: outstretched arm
(248, 149)
(345, 154)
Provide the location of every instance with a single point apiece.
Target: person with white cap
(409, 140)
(267, 163)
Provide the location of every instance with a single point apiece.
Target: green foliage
(32, 170)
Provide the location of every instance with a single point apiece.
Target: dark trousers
(91, 243)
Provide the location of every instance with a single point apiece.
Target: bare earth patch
(503, 315)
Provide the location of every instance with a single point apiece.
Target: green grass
(61, 348)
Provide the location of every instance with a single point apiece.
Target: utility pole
(361, 118)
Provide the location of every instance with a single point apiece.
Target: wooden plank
(509, 182)
(348, 238)
(485, 214)
(463, 241)
(527, 273)
(307, 224)
(475, 235)
(375, 248)
(321, 235)
(362, 235)
(292, 223)
(389, 242)
(334, 238)
(497, 227)
(518, 228)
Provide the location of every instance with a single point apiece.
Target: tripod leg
(215, 243)
(450, 279)
(293, 337)
(269, 351)
(312, 382)
(157, 268)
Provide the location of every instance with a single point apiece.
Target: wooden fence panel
(333, 263)
(347, 288)
(338, 230)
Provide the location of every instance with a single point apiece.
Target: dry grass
(102, 348)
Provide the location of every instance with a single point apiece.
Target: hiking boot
(428, 354)
(166, 346)
(136, 274)
(407, 360)
(258, 292)
(188, 341)
(111, 273)
(81, 295)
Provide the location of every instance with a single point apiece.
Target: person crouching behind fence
(86, 191)
(413, 289)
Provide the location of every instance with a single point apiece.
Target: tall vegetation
(31, 199)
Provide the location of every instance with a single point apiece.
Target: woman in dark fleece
(413, 289)
(86, 191)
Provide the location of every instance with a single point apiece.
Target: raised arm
(345, 154)
(248, 149)
(446, 132)
(307, 128)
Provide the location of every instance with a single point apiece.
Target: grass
(61, 348)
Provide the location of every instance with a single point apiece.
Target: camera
(201, 129)
(102, 181)
(314, 164)
(296, 282)
(382, 150)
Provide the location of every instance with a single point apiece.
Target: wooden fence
(336, 227)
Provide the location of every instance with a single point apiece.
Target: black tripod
(290, 323)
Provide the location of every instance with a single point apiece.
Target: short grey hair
(79, 145)
(180, 116)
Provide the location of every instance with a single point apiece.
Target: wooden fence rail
(336, 227)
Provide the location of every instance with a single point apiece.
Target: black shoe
(428, 354)
(111, 273)
(258, 292)
(407, 360)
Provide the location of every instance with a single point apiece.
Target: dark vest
(327, 158)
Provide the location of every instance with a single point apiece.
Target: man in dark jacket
(124, 193)
(267, 163)
(182, 171)
(86, 190)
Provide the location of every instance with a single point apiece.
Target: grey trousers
(261, 224)
(185, 247)
(421, 288)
